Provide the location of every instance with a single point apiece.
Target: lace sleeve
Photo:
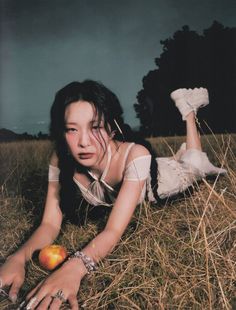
(138, 169)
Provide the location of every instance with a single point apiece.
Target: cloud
(41, 122)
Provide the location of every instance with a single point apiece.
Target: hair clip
(118, 127)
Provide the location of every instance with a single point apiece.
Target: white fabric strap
(97, 186)
(89, 196)
(138, 169)
(106, 168)
(108, 162)
(127, 151)
(53, 173)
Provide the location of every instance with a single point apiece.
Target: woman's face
(86, 138)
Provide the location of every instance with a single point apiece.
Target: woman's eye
(96, 127)
(70, 129)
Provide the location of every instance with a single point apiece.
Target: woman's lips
(85, 155)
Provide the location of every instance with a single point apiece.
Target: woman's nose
(84, 140)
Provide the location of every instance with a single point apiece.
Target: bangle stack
(87, 261)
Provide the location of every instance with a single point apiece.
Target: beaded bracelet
(87, 261)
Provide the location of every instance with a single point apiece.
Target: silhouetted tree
(42, 136)
(191, 60)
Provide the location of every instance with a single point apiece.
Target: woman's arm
(119, 218)
(49, 227)
(50, 224)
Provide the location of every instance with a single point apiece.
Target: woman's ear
(111, 132)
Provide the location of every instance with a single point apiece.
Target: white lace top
(175, 175)
(101, 193)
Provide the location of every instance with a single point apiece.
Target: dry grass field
(180, 254)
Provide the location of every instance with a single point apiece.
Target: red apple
(51, 256)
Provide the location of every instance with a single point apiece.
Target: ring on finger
(60, 295)
(31, 303)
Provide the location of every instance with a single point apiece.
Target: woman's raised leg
(188, 101)
(193, 140)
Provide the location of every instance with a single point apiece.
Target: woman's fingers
(33, 291)
(42, 299)
(73, 302)
(15, 289)
(45, 303)
(55, 305)
(51, 302)
(33, 299)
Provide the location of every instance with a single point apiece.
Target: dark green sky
(46, 44)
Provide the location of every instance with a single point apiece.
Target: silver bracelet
(87, 261)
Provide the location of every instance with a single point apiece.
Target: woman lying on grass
(92, 156)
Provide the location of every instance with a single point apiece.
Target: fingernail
(13, 298)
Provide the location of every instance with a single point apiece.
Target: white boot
(188, 100)
(198, 98)
(179, 97)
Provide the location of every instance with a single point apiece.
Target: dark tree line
(8, 136)
(191, 60)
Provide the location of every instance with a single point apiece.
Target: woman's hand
(62, 285)
(12, 273)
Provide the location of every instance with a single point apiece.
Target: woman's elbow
(52, 229)
(114, 234)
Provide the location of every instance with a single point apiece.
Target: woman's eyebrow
(91, 122)
(70, 123)
(96, 121)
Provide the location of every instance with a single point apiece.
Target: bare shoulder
(136, 151)
(54, 159)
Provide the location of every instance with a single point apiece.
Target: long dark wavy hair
(107, 107)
